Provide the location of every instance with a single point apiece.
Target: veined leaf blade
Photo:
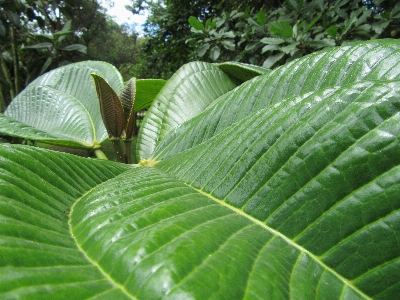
(71, 85)
(180, 100)
(111, 107)
(38, 254)
(147, 90)
(335, 67)
(128, 99)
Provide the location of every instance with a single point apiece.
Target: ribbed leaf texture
(316, 73)
(128, 97)
(242, 71)
(146, 92)
(61, 106)
(111, 108)
(295, 198)
(189, 91)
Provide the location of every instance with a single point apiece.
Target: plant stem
(100, 154)
(16, 59)
(2, 100)
(7, 75)
(119, 155)
(128, 151)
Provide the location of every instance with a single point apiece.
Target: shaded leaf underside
(111, 107)
(63, 103)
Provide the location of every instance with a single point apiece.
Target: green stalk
(16, 59)
(100, 154)
(2, 100)
(8, 76)
(128, 151)
(119, 154)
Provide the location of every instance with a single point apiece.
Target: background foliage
(271, 37)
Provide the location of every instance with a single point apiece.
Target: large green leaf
(189, 91)
(296, 199)
(62, 104)
(316, 73)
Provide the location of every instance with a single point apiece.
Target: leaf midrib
(93, 262)
(285, 238)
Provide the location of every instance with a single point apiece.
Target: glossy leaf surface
(297, 198)
(63, 104)
(146, 92)
(189, 91)
(242, 71)
(322, 72)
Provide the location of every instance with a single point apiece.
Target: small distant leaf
(203, 49)
(46, 65)
(214, 53)
(323, 43)
(287, 49)
(40, 46)
(332, 30)
(76, 47)
(252, 22)
(270, 61)
(240, 24)
(364, 27)
(228, 44)
(273, 41)
(229, 35)
(219, 23)
(378, 28)
(281, 28)
(44, 38)
(7, 56)
(309, 26)
(291, 4)
(111, 108)
(261, 18)
(67, 26)
(195, 23)
(251, 46)
(62, 33)
(192, 29)
(269, 48)
(13, 17)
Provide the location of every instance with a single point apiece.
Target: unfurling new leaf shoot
(111, 108)
(118, 114)
(127, 98)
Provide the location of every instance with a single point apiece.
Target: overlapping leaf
(189, 91)
(295, 198)
(62, 104)
(320, 71)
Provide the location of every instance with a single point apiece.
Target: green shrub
(273, 37)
